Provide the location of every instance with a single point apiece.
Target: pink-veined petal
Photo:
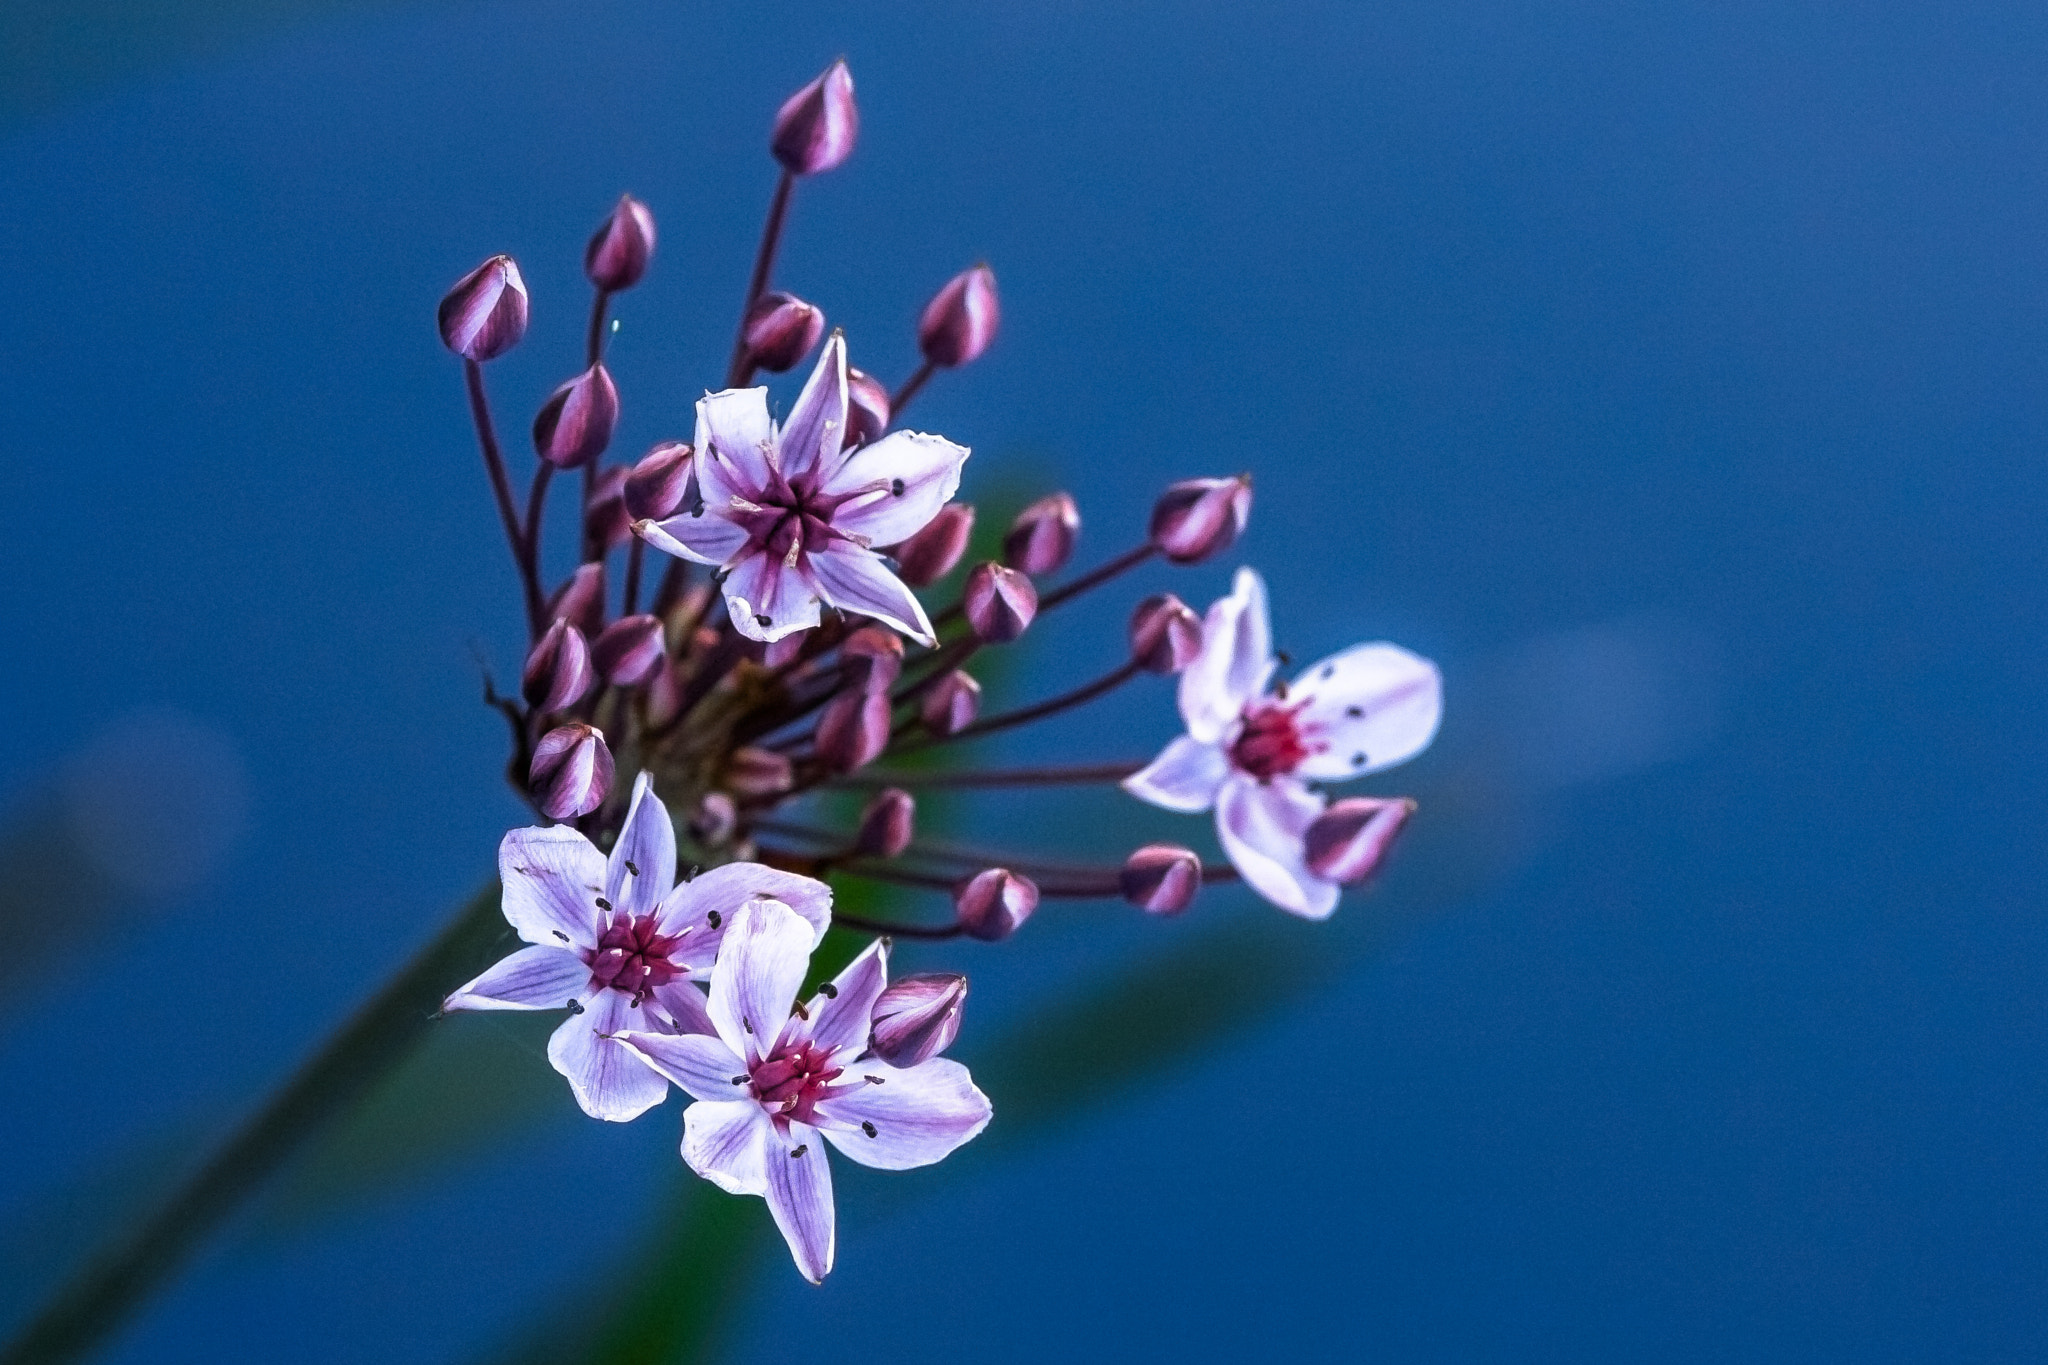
(768, 598)
(647, 842)
(1235, 662)
(700, 1064)
(702, 536)
(919, 1115)
(552, 878)
(687, 1008)
(817, 421)
(687, 910)
(800, 1196)
(840, 1020)
(1261, 826)
(734, 436)
(928, 468)
(1184, 777)
(761, 965)
(856, 580)
(1369, 708)
(726, 1143)
(609, 1081)
(535, 978)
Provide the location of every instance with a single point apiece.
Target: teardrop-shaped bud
(952, 704)
(872, 658)
(571, 771)
(930, 555)
(1166, 634)
(960, 321)
(617, 256)
(628, 650)
(815, 128)
(1041, 539)
(999, 603)
(484, 315)
(915, 1018)
(605, 521)
(1197, 518)
(992, 905)
(575, 424)
(657, 486)
(754, 771)
(867, 408)
(663, 696)
(580, 601)
(781, 330)
(887, 825)
(853, 730)
(1161, 879)
(715, 820)
(558, 670)
(1350, 841)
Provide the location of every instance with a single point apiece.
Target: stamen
(746, 1023)
(829, 991)
(867, 1127)
(632, 869)
(896, 487)
(1358, 760)
(1329, 670)
(575, 1007)
(562, 936)
(763, 619)
(799, 1151)
(741, 1080)
(742, 505)
(1354, 711)
(691, 875)
(604, 904)
(872, 1080)
(713, 918)
(796, 1007)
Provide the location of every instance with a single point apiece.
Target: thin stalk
(1051, 706)
(536, 499)
(900, 399)
(593, 344)
(863, 925)
(501, 489)
(1074, 775)
(741, 368)
(631, 600)
(1095, 578)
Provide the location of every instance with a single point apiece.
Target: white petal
(734, 436)
(761, 965)
(552, 877)
(817, 423)
(1185, 776)
(1370, 707)
(1236, 659)
(1261, 826)
(853, 579)
(919, 1115)
(768, 598)
(609, 1081)
(800, 1196)
(647, 841)
(703, 536)
(840, 1020)
(702, 1065)
(929, 467)
(536, 978)
(726, 1142)
(725, 889)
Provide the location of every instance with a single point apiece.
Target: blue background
(1671, 375)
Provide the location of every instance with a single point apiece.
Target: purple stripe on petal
(608, 1080)
(536, 978)
(727, 1142)
(1261, 826)
(856, 580)
(734, 436)
(761, 965)
(840, 1020)
(1184, 777)
(724, 890)
(687, 1008)
(552, 878)
(1368, 708)
(1236, 659)
(702, 1065)
(703, 536)
(927, 468)
(768, 598)
(817, 422)
(919, 1115)
(800, 1196)
(647, 842)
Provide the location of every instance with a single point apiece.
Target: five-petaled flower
(1248, 752)
(790, 516)
(782, 1078)
(616, 941)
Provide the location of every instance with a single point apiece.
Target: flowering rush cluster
(768, 644)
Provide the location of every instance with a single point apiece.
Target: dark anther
(1286, 659)
(872, 1080)
(796, 1007)
(1358, 760)
(1354, 711)
(691, 875)
(562, 936)
(575, 1007)
(867, 1127)
(829, 991)
(763, 620)
(1280, 689)
(746, 1023)
(799, 1151)
(713, 918)
(1328, 670)
(632, 869)
(896, 487)
(741, 1080)
(603, 904)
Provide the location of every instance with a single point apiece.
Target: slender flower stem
(536, 499)
(923, 851)
(1052, 706)
(631, 600)
(900, 400)
(741, 369)
(593, 344)
(501, 489)
(863, 925)
(1079, 774)
(108, 1290)
(1095, 578)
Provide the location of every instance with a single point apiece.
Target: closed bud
(1349, 841)
(617, 256)
(715, 820)
(484, 315)
(993, 905)
(781, 330)
(753, 771)
(628, 650)
(1166, 634)
(873, 658)
(853, 729)
(815, 128)
(571, 771)
(664, 696)
(605, 522)
(917, 1017)
(1197, 518)
(658, 486)
(999, 602)
(930, 555)
(960, 321)
(952, 704)
(867, 408)
(886, 826)
(580, 601)
(1041, 540)
(1161, 879)
(575, 424)
(788, 649)
(558, 671)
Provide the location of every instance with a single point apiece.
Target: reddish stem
(741, 368)
(501, 489)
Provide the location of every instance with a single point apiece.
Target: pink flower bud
(575, 424)
(580, 601)
(628, 650)
(781, 330)
(484, 315)
(930, 555)
(917, 1017)
(714, 820)
(1162, 879)
(605, 521)
(887, 825)
(659, 485)
(874, 659)
(754, 771)
(617, 256)
(867, 408)
(1166, 634)
(815, 128)
(571, 771)
(999, 602)
(993, 905)
(776, 653)
(558, 671)
(853, 729)
(952, 704)
(664, 697)
(960, 321)
(1197, 518)
(1349, 841)
(1041, 540)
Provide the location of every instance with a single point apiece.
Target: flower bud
(628, 650)
(815, 128)
(1041, 540)
(781, 330)
(571, 771)
(999, 602)
(853, 729)
(952, 704)
(580, 601)
(867, 408)
(1166, 634)
(886, 826)
(1161, 879)
(484, 315)
(993, 905)
(960, 321)
(558, 671)
(1197, 518)
(1349, 841)
(873, 657)
(605, 523)
(664, 696)
(617, 256)
(658, 486)
(575, 424)
(714, 820)
(776, 653)
(917, 1017)
(930, 555)
(752, 771)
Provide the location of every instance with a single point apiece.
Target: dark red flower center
(793, 1078)
(631, 956)
(1271, 743)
